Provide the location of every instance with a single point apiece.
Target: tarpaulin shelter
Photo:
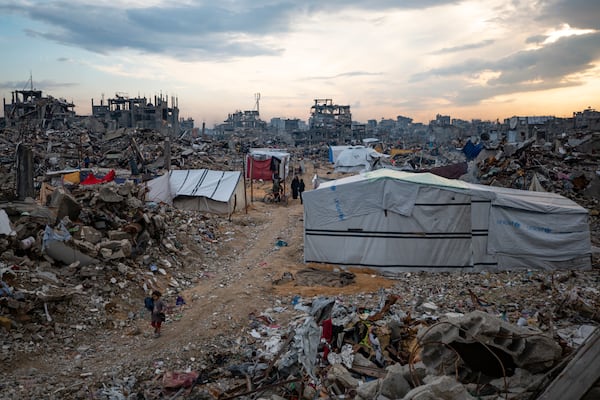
(333, 152)
(218, 192)
(264, 163)
(357, 159)
(402, 221)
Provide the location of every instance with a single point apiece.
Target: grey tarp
(401, 221)
(219, 192)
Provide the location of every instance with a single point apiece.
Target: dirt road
(208, 330)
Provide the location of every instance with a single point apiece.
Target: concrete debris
(78, 258)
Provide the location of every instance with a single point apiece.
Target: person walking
(158, 312)
(276, 188)
(301, 189)
(295, 187)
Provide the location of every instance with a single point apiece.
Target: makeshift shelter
(218, 192)
(333, 152)
(264, 163)
(402, 221)
(357, 159)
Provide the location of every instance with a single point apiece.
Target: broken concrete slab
(65, 205)
(89, 234)
(59, 251)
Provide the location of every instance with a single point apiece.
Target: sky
(384, 58)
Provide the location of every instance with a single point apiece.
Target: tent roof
(267, 153)
(502, 197)
(425, 178)
(215, 185)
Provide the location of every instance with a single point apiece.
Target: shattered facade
(587, 119)
(30, 109)
(137, 112)
(242, 121)
(329, 122)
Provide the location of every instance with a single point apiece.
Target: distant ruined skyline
(495, 60)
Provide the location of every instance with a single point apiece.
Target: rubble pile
(452, 343)
(75, 266)
(132, 152)
(568, 167)
(91, 245)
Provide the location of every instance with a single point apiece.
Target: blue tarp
(472, 150)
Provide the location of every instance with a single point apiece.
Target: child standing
(158, 312)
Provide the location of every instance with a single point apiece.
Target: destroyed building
(329, 122)
(137, 112)
(29, 108)
(587, 119)
(248, 120)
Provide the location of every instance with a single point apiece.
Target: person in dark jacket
(301, 188)
(295, 187)
(158, 312)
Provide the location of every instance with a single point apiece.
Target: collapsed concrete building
(329, 122)
(248, 120)
(29, 108)
(137, 112)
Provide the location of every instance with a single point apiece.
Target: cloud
(38, 85)
(193, 30)
(350, 74)
(469, 46)
(549, 67)
(580, 14)
(536, 39)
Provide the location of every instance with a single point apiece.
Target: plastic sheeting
(262, 163)
(220, 192)
(401, 221)
(93, 180)
(356, 159)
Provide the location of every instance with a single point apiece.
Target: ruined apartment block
(137, 112)
(30, 109)
(329, 122)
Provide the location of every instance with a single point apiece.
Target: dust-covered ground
(247, 275)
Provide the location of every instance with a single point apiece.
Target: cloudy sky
(384, 58)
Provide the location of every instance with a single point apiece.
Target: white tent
(219, 192)
(335, 151)
(402, 221)
(356, 159)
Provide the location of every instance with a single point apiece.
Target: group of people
(297, 188)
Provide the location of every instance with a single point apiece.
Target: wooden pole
(244, 175)
(251, 180)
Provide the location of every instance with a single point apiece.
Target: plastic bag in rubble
(346, 356)
(321, 309)
(376, 347)
(60, 233)
(306, 343)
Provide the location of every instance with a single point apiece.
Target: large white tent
(356, 159)
(402, 221)
(219, 192)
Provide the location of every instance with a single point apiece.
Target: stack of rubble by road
(90, 245)
(568, 167)
(63, 264)
(85, 145)
(487, 336)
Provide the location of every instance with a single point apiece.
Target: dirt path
(219, 305)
